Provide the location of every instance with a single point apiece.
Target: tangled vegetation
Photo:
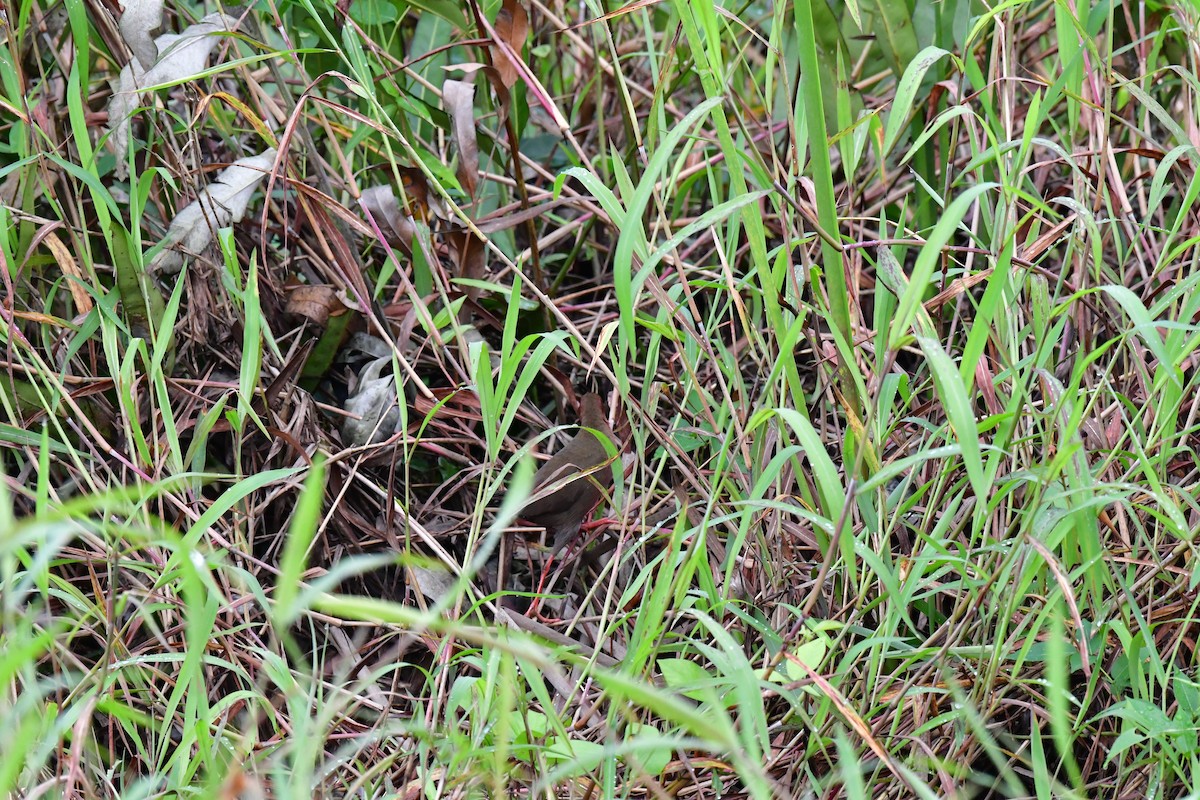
(890, 308)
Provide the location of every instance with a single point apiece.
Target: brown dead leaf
(503, 96)
(314, 303)
(70, 268)
(470, 253)
(459, 99)
(395, 223)
(449, 404)
(636, 5)
(512, 26)
(416, 190)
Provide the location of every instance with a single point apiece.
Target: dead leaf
(180, 56)
(512, 27)
(314, 303)
(220, 204)
(503, 97)
(70, 267)
(459, 100)
(374, 407)
(139, 20)
(470, 252)
(394, 221)
(396, 218)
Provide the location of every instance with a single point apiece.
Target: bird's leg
(543, 586)
(535, 607)
(554, 567)
(581, 557)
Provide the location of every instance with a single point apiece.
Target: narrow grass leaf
(631, 240)
(301, 533)
(959, 410)
(913, 294)
(1144, 327)
(906, 92)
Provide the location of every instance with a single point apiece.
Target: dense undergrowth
(893, 307)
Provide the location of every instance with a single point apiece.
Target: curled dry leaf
(512, 26)
(314, 303)
(503, 97)
(364, 344)
(396, 217)
(221, 203)
(395, 223)
(180, 56)
(471, 257)
(459, 99)
(69, 265)
(374, 406)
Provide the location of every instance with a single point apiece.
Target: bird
(568, 486)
